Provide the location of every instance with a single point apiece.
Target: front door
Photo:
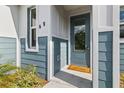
(80, 40)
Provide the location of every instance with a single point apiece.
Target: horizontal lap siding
(7, 50)
(122, 57)
(105, 59)
(38, 59)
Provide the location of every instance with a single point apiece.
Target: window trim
(121, 10)
(29, 28)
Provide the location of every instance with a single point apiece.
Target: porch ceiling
(73, 7)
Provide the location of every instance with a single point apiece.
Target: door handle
(87, 48)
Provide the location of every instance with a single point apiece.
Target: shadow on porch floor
(65, 80)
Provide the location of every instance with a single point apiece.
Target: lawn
(12, 77)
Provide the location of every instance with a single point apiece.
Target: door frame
(84, 52)
(53, 55)
(68, 49)
(69, 41)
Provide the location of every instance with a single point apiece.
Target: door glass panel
(79, 32)
(63, 49)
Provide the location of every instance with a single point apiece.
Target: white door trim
(91, 26)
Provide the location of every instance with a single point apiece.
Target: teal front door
(80, 40)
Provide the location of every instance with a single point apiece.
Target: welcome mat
(79, 68)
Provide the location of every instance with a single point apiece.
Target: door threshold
(79, 68)
(77, 73)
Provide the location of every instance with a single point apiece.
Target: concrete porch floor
(65, 80)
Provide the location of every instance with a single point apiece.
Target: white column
(116, 47)
(106, 18)
(95, 46)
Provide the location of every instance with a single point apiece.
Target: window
(32, 28)
(122, 22)
(122, 14)
(79, 35)
(122, 31)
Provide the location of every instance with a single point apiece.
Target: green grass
(22, 78)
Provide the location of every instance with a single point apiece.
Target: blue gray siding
(122, 58)
(105, 59)
(38, 59)
(57, 52)
(7, 50)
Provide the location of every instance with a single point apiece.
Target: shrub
(122, 80)
(22, 78)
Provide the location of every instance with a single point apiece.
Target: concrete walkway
(58, 83)
(66, 80)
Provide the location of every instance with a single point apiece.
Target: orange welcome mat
(79, 68)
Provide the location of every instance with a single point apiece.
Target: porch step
(79, 68)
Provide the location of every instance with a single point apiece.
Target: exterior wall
(105, 59)
(59, 22)
(22, 21)
(106, 15)
(42, 35)
(43, 15)
(105, 22)
(15, 15)
(121, 57)
(7, 50)
(7, 23)
(105, 18)
(38, 59)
